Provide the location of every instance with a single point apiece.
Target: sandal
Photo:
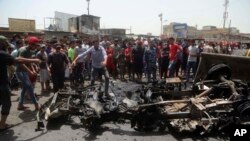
(6, 127)
(22, 108)
(13, 94)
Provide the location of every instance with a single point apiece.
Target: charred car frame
(226, 101)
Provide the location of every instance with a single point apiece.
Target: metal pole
(160, 15)
(88, 6)
(44, 23)
(225, 13)
(161, 25)
(229, 30)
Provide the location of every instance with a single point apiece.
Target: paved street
(25, 124)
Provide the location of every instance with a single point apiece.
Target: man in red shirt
(173, 50)
(110, 60)
(128, 58)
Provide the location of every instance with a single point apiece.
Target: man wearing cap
(5, 60)
(26, 71)
(57, 62)
(99, 62)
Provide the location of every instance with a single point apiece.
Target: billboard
(180, 30)
(22, 25)
(89, 24)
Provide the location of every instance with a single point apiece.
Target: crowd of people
(78, 58)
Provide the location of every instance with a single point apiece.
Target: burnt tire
(217, 70)
(243, 110)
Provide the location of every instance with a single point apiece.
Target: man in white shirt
(193, 52)
(80, 65)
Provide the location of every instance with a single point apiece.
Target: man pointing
(99, 61)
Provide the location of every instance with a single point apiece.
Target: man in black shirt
(5, 60)
(57, 62)
(137, 55)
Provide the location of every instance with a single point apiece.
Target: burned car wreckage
(155, 106)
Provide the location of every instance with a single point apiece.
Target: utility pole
(160, 15)
(88, 6)
(229, 30)
(44, 23)
(130, 29)
(225, 15)
(195, 36)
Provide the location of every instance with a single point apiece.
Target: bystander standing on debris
(99, 62)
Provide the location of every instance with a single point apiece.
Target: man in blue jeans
(5, 60)
(25, 71)
(174, 49)
(192, 59)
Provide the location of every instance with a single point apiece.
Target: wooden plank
(197, 103)
(173, 80)
(184, 93)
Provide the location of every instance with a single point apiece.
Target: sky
(141, 15)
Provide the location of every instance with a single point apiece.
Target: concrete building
(212, 33)
(168, 30)
(22, 25)
(192, 32)
(245, 35)
(209, 33)
(113, 32)
(179, 30)
(234, 31)
(63, 20)
(87, 24)
(209, 27)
